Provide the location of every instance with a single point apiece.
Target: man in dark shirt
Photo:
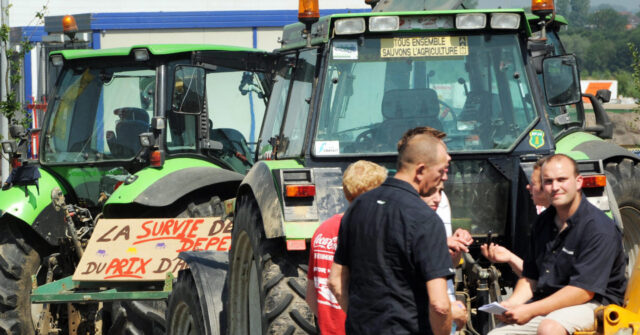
(392, 262)
(576, 262)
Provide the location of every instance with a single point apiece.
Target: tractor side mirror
(188, 90)
(561, 81)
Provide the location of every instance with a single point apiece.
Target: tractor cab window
(473, 87)
(235, 104)
(295, 124)
(97, 114)
(270, 133)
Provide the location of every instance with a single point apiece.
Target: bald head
(562, 159)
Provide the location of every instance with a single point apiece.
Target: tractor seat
(403, 109)
(133, 121)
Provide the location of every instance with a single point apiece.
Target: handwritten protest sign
(146, 249)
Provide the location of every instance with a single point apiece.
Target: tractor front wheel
(18, 262)
(624, 178)
(184, 314)
(267, 284)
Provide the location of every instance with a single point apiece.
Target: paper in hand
(493, 308)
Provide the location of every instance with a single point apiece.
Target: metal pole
(4, 123)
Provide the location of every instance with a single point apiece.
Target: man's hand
(463, 236)
(508, 305)
(459, 313)
(496, 253)
(519, 315)
(458, 244)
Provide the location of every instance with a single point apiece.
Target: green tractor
(144, 131)
(346, 87)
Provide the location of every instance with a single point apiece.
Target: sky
(630, 5)
(23, 11)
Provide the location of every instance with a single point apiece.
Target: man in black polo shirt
(392, 261)
(576, 262)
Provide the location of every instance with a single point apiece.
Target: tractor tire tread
(280, 274)
(18, 261)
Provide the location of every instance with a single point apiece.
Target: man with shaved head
(392, 251)
(576, 261)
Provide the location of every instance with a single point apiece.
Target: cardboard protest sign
(146, 249)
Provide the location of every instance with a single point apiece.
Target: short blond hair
(362, 176)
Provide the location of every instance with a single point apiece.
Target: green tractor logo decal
(536, 138)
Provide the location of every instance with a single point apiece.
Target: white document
(493, 308)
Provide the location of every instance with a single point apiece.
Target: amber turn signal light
(156, 158)
(300, 191)
(594, 181)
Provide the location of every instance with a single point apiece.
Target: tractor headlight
(141, 55)
(349, 26)
(471, 21)
(505, 21)
(384, 23)
(146, 140)
(57, 60)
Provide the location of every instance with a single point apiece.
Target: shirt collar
(573, 219)
(401, 184)
(578, 215)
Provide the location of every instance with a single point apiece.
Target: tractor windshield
(473, 87)
(98, 114)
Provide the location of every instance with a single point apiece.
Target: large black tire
(148, 317)
(18, 262)
(267, 284)
(184, 314)
(624, 178)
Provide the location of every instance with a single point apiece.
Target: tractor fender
(209, 271)
(33, 206)
(260, 182)
(178, 177)
(581, 145)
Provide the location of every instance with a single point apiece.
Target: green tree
(579, 12)
(562, 7)
(607, 19)
(10, 105)
(635, 67)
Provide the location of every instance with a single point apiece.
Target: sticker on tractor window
(345, 50)
(324, 148)
(536, 138)
(432, 46)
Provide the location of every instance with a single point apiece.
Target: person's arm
(498, 254)
(312, 297)
(439, 306)
(565, 297)
(522, 293)
(339, 284)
